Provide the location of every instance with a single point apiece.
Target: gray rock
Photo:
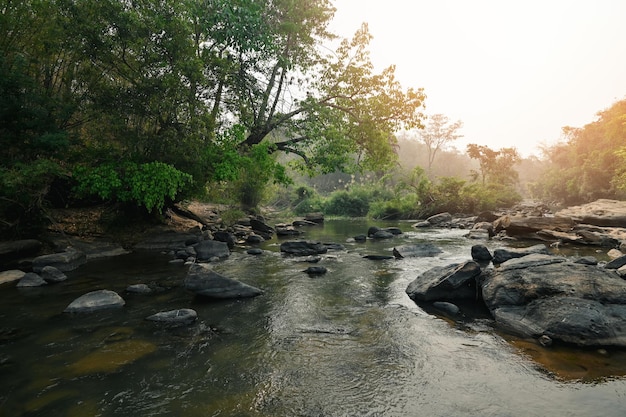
(261, 227)
(316, 270)
(94, 301)
(139, 289)
(254, 251)
(222, 236)
(569, 319)
(419, 250)
(183, 316)
(255, 239)
(52, 274)
(480, 253)
(452, 282)
(302, 248)
(446, 307)
(202, 280)
(504, 254)
(210, 249)
(586, 260)
(616, 263)
(570, 302)
(31, 279)
(422, 224)
(63, 261)
(439, 219)
(382, 234)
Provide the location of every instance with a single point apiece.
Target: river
(347, 343)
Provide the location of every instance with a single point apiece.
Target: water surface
(348, 343)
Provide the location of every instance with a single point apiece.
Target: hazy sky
(515, 72)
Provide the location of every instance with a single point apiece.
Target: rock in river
(546, 295)
(203, 281)
(452, 282)
(175, 317)
(95, 300)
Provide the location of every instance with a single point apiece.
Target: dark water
(348, 343)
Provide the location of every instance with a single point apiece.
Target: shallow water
(348, 343)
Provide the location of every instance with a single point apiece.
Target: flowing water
(347, 343)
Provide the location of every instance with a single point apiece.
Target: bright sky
(515, 72)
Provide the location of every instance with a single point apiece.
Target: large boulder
(95, 300)
(203, 281)
(63, 261)
(540, 295)
(452, 282)
(211, 249)
(602, 212)
(303, 248)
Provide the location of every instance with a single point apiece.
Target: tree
(439, 132)
(587, 164)
(496, 167)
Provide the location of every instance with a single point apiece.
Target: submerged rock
(181, 316)
(95, 300)
(203, 281)
(31, 279)
(418, 250)
(303, 248)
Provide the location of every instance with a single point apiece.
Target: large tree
(439, 133)
(111, 91)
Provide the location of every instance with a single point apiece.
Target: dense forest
(146, 103)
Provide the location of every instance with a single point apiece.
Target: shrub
(148, 185)
(343, 203)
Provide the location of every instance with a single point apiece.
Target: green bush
(148, 185)
(343, 203)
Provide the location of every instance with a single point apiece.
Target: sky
(514, 72)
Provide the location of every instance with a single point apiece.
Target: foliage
(350, 204)
(23, 187)
(439, 132)
(619, 181)
(589, 163)
(496, 167)
(147, 185)
(209, 88)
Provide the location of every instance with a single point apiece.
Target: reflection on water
(348, 343)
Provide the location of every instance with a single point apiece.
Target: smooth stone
(180, 317)
(95, 300)
(31, 279)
